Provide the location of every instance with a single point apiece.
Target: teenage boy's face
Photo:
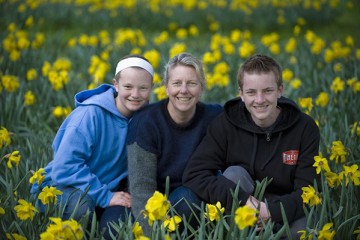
(133, 87)
(260, 94)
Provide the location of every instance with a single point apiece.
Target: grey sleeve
(142, 166)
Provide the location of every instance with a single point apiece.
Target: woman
(167, 133)
(89, 148)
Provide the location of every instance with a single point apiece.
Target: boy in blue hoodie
(89, 147)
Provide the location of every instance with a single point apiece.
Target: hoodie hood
(102, 96)
(239, 116)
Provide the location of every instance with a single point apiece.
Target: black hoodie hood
(239, 116)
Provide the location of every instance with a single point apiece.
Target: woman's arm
(142, 167)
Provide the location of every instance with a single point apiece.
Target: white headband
(134, 62)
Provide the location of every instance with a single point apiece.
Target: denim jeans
(240, 176)
(113, 214)
(184, 200)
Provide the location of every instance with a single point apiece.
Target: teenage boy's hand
(264, 214)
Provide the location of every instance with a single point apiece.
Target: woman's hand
(121, 199)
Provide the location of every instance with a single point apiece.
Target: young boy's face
(260, 93)
(134, 88)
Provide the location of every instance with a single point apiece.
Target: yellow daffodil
(217, 79)
(171, 224)
(355, 129)
(213, 211)
(221, 68)
(350, 173)
(357, 233)
(214, 26)
(93, 41)
(332, 179)
(317, 46)
(338, 151)
(321, 164)
(287, 75)
(246, 49)
(181, 33)
(25, 210)
(176, 49)
(2, 211)
(72, 42)
(58, 73)
(275, 48)
(137, 230)
(291, 45)
(161, 38)
(156, 207)
(293, 60)
(154, 57)
(304, 235)
(325, 233)
(13, 158)
(10, 83)
(58, 112)
(306, 104)
(160, 92)
(229, 49)
(146, 238)
(322, 100)
(46, 68)
(338, 67)
(310, 196)
(31, 74)
(207, 58)
(193, 30)
(69, 229)
(38, 176)
(245, 217)
(49, 195)
(29, 98)
(235, 35)
(83, 39)
(98, 68)
(157, 78)
(296, 83)
(337, 85)
(38, 41)
(357, 53)
(63, 112)
(15, 236)
(5, 139)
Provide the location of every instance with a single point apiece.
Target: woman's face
(260, 93)
(184, 91)
(133, 87)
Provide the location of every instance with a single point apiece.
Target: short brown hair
(259, 64)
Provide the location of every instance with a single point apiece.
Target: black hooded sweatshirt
(284, 153)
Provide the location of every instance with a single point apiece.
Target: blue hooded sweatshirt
(89, 147)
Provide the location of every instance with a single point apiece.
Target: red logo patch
(290, 157)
